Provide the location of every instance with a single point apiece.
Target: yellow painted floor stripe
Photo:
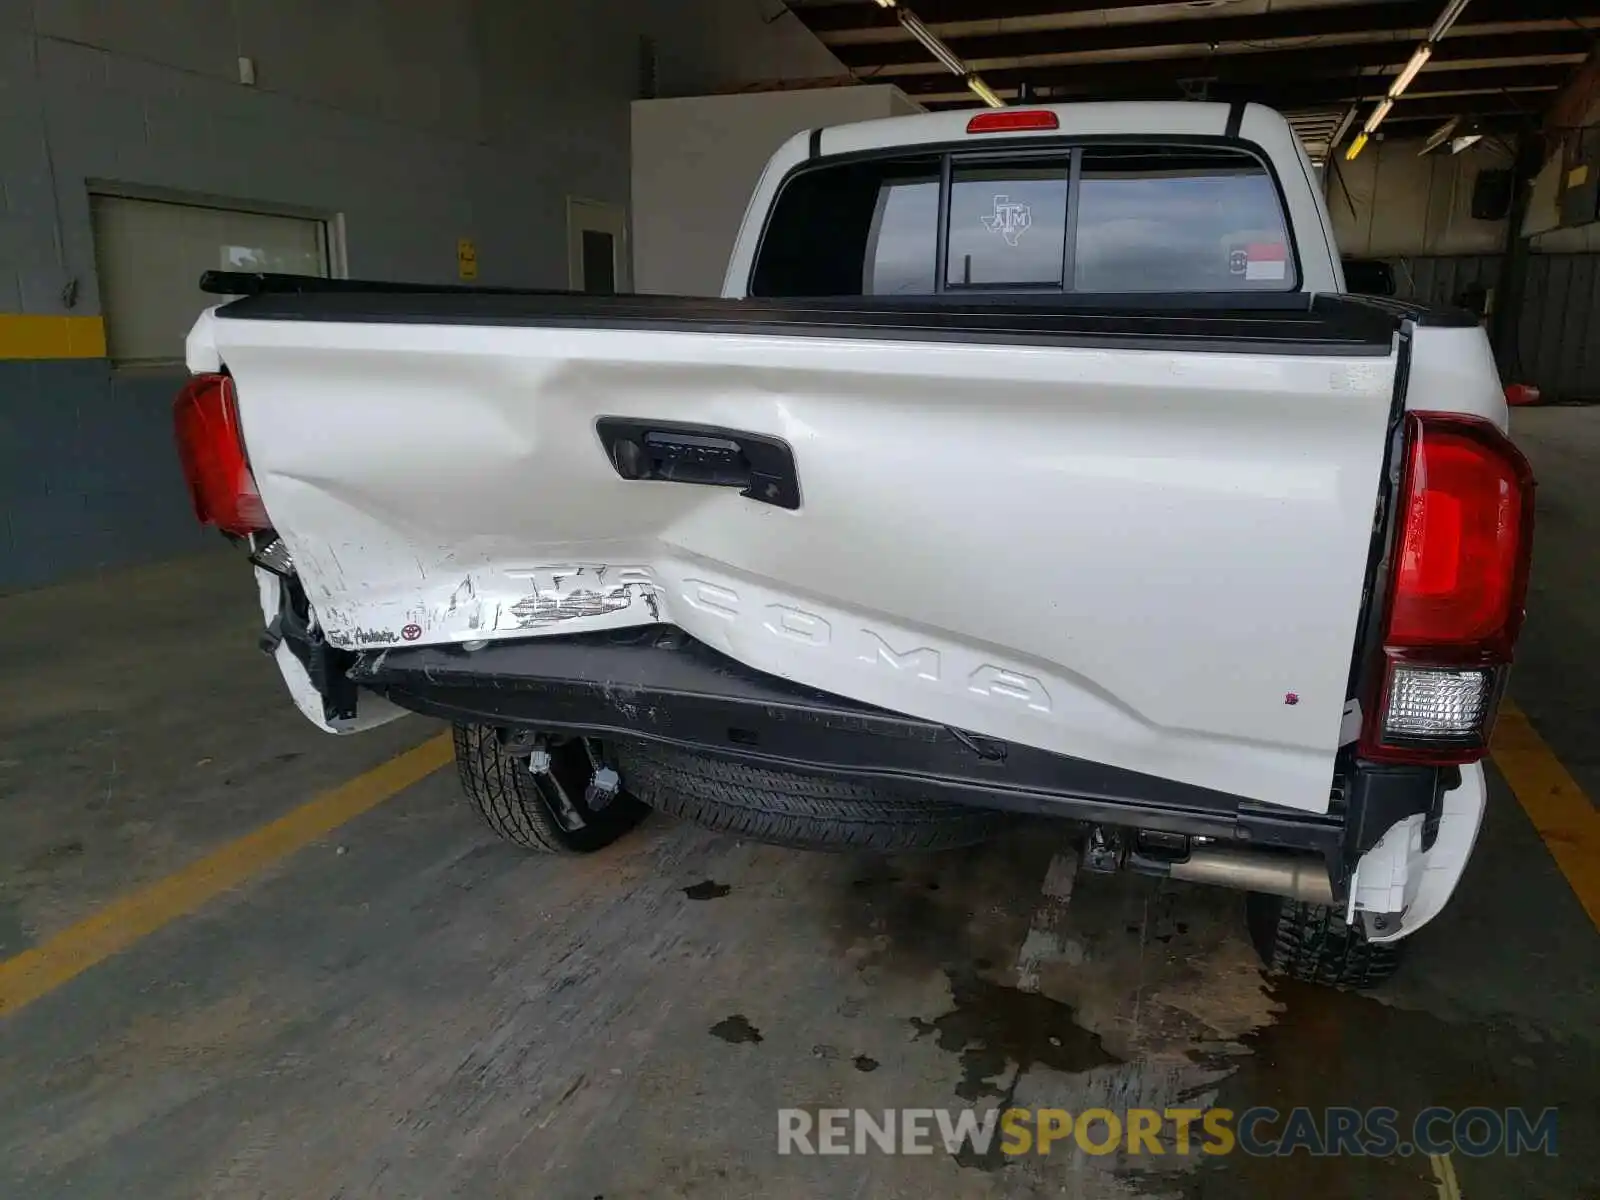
(124, 921)
(1565, 818)
(1444, 1175)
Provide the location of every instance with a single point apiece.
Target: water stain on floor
(922, 915)
(1347, 1049)
(736, 1030)
(993, 1028)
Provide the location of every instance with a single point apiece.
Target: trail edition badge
(1010, 220)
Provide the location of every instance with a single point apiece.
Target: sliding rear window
(1099, 219)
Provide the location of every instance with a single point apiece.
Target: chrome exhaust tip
(1301, 877)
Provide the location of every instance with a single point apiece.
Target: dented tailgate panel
(1143, 558)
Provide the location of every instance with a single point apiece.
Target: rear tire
(528, 810)
(789, 808)
(1314, 944)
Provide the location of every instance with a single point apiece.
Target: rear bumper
(659, 684)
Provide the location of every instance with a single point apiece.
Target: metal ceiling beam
(1396, 128)
(1532, 87)
(1520, 109)
(1349, 89)
(1578, 96)
(1262, 66)
(1402, 17)
(837, 18)
(1526, 105)
(1334, 92)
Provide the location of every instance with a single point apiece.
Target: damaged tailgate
(1137, 539)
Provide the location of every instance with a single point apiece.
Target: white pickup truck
(1033, 462)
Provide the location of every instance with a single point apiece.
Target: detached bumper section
(658, 684)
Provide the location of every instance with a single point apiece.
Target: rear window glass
(858, 229)
(1146, 219)
(904, 241)
(1008, 225)
(1178, 222)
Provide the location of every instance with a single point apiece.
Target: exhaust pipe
(1298, 876)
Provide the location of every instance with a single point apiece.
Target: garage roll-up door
(150, 255)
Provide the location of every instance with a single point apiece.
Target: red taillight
(1458, 579)
(1013, 120)
(211, 449)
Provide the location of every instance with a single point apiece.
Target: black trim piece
(1287, 829)
(1235, 119)
(814, 145)
(1069, 238)
(327, 666)
(658, 684)
(941, 226)
(1366, 661)
(249, 284)
(1432, 316)
(762, 467)
(1325, 327)
(269, 283)
(1381, 795)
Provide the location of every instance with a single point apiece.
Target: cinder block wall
(413, 124)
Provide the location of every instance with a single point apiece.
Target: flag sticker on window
(1010, 220)
(1266, 261)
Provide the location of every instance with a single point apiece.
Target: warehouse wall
(1553, 341)
(696, 161)
(1391, 202)
(413, 124)
(1544, 207)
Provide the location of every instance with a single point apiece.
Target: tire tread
(791, 808)
(1313, 943)
(494, 783)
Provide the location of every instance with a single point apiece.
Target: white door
(597, 247)
(150, 255)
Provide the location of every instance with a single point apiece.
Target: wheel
(790, 808)
(1313, 943)
(548, 812)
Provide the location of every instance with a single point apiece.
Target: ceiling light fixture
(942, 54)
(1439, 136)
(1440, 27)
(984, 92)
(1419, 59)
(910, 22)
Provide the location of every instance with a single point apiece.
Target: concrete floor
(409, 1008)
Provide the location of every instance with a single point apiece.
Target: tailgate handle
(761, 467)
